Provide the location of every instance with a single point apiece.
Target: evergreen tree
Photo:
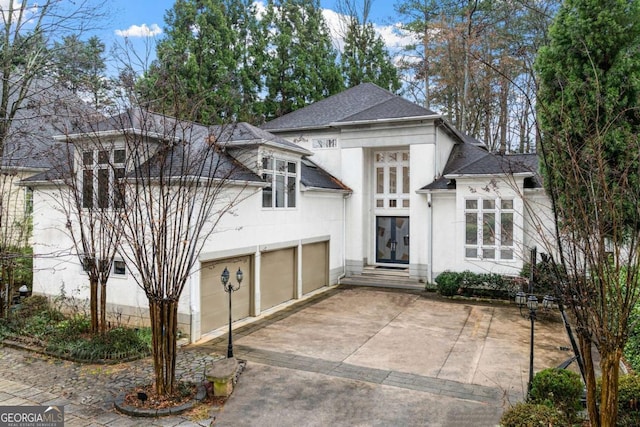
(365, 58)
(207, 63)
(80, 66)
(300, 67)
(589, 87)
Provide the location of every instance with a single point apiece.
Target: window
(102, 173)
(28, 201)
(281, 175)
(392, 179)
(324, 143)
(119, 267)
(489, 229)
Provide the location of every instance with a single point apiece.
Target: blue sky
(141, 21)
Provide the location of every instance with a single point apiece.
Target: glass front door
(392, 239)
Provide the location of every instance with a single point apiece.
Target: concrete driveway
(376, 357)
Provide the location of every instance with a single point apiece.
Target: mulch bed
(145, 397)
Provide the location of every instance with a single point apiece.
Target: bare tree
(91, 199)
(178, 182)
(29, 105)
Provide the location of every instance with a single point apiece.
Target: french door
(392, 239)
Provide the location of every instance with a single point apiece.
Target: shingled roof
(313, 176)
(468, 159)
(365, 102)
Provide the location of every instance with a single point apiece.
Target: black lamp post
(229, 288)
(531, 302)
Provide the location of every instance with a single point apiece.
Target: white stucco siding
(444, 145)
(422, 170)
(247, 227)
(446, 233)
(356, 213)
(539, 223)
(55, 263)
(489, 188)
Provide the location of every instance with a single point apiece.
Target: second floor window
(282, 177)
(102, 171)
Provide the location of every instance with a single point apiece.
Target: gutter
(109, 133)
(386, 120)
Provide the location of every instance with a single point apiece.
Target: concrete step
(384, 281)
(385, 271)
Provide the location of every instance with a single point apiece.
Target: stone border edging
(134, 411)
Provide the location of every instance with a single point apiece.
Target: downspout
(430, 206)
(344, 237)
(430, 240)
(193, 307)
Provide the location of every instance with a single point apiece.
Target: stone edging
(142, 412)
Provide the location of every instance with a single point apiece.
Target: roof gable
(363, 102)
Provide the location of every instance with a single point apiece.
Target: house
(360, 180)
(424, 196)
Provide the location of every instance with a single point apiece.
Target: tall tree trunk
(93, 303)
(504, 113)
(103, 307)
(164, 326)
(587, 358)
(609, 364)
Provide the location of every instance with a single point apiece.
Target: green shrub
(117, 343)
(532, 415)
(629, 400)
(560, 387)
(42, 324)
(448, 283)
(73, 326)
(632, 348)
(451, 283)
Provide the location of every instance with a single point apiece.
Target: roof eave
(386, 120)
(298, 150)
(111, 133)
(324, 190)
(488, 175)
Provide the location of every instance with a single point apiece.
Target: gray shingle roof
(46, 110)
(363, 102)
(468, 159)
(314, 176)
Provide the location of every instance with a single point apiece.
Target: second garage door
(277, 277)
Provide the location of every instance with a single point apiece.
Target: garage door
(214, 301)
(277, 277)
(315, 266)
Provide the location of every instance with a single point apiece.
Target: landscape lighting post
(229, 288)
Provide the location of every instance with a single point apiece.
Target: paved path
(346, 357)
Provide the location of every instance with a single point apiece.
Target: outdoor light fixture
(230, 288)
(532, 304)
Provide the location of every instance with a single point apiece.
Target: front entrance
(392, 239)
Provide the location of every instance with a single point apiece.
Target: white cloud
(140, 31)
(390, 34)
